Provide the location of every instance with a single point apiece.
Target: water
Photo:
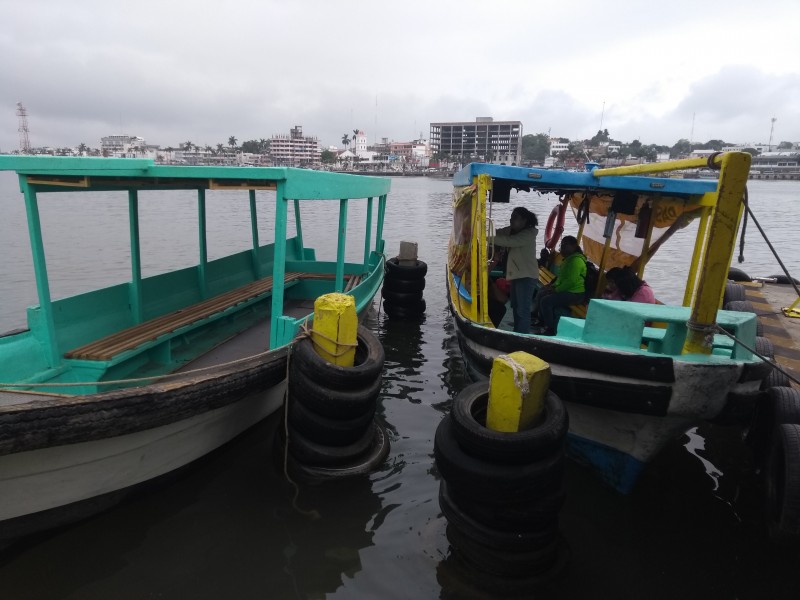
(227, 527)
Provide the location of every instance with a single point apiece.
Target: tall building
(481, 140)
(295, 149)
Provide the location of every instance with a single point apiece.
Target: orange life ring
(555, 226)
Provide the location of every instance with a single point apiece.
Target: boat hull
(60, 454)
(623, 407)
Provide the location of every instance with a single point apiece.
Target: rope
(139, 379)
(313, 513)
(520, 374)
(764, 358)
(772, 248)
(583, 210)
(744, 226)
(306, 332)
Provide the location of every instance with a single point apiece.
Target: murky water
(226, 527)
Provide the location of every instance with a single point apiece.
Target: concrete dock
(769, 299)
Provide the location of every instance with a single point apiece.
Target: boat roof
(59, 173)
(559, 180)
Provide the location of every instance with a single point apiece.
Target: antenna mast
(24, 141)
(771, 129)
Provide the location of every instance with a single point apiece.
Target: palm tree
(355, 134)
(188, 146)
(346, 140)
(232, 141)
(82, 148)
(220, 148)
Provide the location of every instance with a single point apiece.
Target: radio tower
(24, 142)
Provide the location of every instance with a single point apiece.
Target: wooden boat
(114, 387)
(629, 387)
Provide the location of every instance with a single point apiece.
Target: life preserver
(555, 226)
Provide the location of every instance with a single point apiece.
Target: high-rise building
(295, 149)
(481, 140)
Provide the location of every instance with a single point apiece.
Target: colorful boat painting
(633, 375)
(114, 387)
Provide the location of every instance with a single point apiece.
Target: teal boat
(633, 376)
(111, 388)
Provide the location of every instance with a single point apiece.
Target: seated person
(622, 283)
(568, 288)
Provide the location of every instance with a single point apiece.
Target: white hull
(53, 477)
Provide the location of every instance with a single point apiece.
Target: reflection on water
(226, 527)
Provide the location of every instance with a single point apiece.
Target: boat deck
(784, 332)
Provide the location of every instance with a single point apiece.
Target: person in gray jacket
(522, 268)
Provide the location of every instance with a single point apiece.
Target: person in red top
(623, 284)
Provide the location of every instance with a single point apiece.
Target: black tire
(395, 270)
(487, 481)
(779, 406)
(783, 485)
(393, 284)
(367, 368)
(502, 563)
(330, 401)
(523, 516)
(326, 430)
(775, 378)
(362, 464)
(312, 454)
(488, 536)
(401, 298)
(764, 347)
(734, 292)
(741, 306)
(784, 279)
(541, 441)
(409, 311)
(735, 274)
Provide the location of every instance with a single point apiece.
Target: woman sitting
(623, 284)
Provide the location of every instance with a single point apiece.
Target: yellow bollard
(518, 386)
(335, 328)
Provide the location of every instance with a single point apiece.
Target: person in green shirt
(569, 286)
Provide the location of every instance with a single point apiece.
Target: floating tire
(783, 485)
(395, 270)
(325, 430)
(313, 454)
(403, 299)
(734, 292)
(735, 274)
(489, 481)
(542, 440)
(502, 563)
(522, 516)
(784, 279)
(488, 536)
(368, 364)
(330, 401)
(393, 284)
(408, 311)
(361, 464)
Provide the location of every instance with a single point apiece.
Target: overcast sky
(202, 71)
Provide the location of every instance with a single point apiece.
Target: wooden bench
(108, 347)
(577, 310)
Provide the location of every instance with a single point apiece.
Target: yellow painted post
(518, 387)
(335, 328)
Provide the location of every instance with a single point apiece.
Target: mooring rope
(520, 374)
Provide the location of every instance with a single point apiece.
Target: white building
(295, 149)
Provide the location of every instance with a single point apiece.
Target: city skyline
(192, 72)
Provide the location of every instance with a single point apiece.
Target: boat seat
(108, 347)
(577, 310)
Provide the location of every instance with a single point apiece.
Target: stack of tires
(330, 412)
(402, 288)
(501, 492)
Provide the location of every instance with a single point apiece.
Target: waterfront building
(295, 149)
(481, 140)
(126, 146)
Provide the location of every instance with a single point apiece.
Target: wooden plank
(127, 339)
